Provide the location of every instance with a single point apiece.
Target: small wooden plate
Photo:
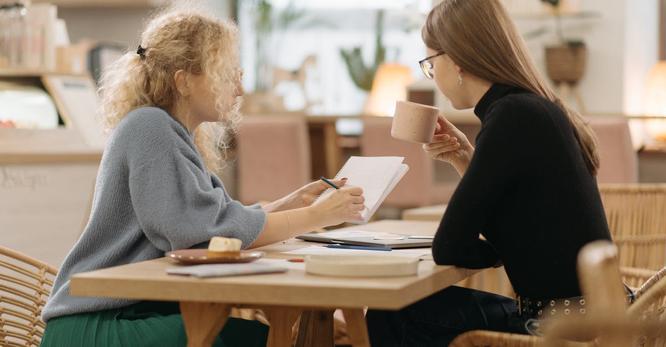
(201, 256)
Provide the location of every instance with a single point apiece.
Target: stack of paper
(225, 270)
(377, 176)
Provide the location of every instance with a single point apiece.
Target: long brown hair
(480, 37)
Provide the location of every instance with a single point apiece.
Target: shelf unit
(103, 3)
(47, 179)
(62, 144)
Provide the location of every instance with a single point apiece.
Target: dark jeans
(439, 318)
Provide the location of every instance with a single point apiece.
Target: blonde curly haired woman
(168, 103)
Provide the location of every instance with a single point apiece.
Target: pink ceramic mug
(414, 122)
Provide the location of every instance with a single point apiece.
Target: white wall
(122, 25)
(118, 25)
(641, 50)
(622, 43)
(347, 26)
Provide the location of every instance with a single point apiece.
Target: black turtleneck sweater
(528, 191)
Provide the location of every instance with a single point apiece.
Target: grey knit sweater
(153, 194)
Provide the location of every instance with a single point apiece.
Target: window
(320, 29)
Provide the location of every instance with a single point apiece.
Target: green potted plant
(566, 60)
(363, 74)
(269, 22)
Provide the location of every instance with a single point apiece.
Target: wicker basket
(566, 63)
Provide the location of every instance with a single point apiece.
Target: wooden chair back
(635, 209)
(25, 285)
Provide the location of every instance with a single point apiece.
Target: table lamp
(655, 102)
(389, 85)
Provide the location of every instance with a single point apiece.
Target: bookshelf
(103, 3)
(47, 177)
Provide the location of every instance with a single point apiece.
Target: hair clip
(141, 52)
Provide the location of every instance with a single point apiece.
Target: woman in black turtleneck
(528, 186)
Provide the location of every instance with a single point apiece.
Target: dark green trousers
(148, 323)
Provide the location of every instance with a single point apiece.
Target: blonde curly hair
(178, 39)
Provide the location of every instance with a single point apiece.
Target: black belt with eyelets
(542, 308)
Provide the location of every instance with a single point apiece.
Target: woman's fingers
(357, 199)
(432, 146)
(339, 182)
(441, 137)
(446, 140)
(443, 150)
(439, 147)
(441, 124)
(355, 191)
(357, 207)
(357, 217)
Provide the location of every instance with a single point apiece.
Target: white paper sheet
(225, 270)
(376, 175)
(282, 263)
(361, 233)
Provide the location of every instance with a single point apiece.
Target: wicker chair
(643, 325)
(642, 251)
(25, 284)
(650, 303)
(635, 278)
(650, 297)
(636, 215)
(635, 209)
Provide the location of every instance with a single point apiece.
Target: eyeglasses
(426, 65)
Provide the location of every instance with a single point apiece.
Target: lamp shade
(390, 85)
(655, 98)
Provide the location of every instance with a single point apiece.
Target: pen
(360, 248)
(329, 182)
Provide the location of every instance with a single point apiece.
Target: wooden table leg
(356, 327)
(203, 321)
(282, 320)
(316, 329)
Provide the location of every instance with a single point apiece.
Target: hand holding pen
(343, 205)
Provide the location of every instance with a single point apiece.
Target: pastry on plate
(224, 247)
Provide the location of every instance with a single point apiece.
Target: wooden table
(427, 213)
(205, 303)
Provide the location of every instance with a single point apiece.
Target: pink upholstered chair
(418, 187)
(273, 157)
(619, 160)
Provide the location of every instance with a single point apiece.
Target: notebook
(225, 270)
(376, 175)
(369, 238)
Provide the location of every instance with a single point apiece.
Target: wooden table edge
(80, 285)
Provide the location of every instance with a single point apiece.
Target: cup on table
(414, 122)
